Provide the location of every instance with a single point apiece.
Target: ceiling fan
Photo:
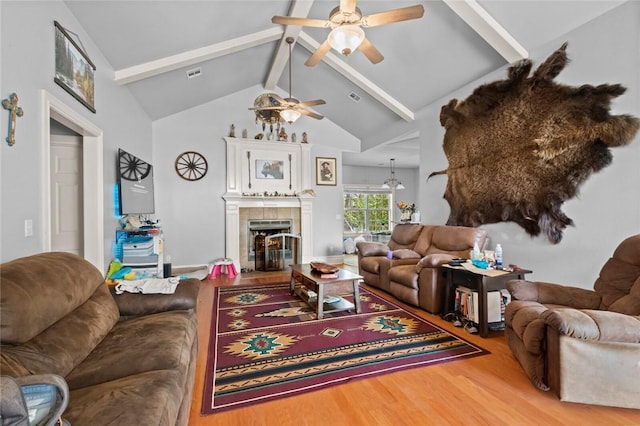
(346, 22)
(289, 108)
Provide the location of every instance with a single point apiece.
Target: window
(367, 209)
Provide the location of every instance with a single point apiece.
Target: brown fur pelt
(518, 148)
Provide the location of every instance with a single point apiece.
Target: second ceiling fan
(346, 22)
(290, 108)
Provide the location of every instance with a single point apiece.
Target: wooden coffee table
(346, 283)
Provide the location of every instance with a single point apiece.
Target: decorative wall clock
(191, 165)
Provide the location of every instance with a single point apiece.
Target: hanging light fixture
(346, 38)
(290, 114)
(392, 182)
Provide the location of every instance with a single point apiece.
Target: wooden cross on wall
(11, 105)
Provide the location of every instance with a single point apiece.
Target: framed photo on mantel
(326, 171)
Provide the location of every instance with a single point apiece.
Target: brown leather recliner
(583, 345)
(413, 273)
(373, 263)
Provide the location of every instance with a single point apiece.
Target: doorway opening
(92, 176)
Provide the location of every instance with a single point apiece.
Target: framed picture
(74, 69)
(326, 172)
(269, 169)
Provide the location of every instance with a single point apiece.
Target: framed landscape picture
(326, 171)
(74, 69)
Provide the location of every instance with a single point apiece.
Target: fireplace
(258, 229)
(275, 252)
(283, 204)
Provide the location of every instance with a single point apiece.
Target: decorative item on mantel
(268, 194)
(232, 133)
(294, 137)
(406, 211)
(245, 134)
(282, 135)
(11, 105)
(304, 137)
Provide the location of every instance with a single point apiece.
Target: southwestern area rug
(266, 344)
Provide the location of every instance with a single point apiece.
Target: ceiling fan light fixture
(346, 38)
(290, 115)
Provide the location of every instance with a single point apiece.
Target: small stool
(229, 268)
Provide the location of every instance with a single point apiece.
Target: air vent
(194, 73)
(354, 97)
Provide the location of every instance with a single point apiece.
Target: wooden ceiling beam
(298, 9)
(358, 79)
(489, 29)
(195, 56)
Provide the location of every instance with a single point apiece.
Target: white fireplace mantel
(247, 187)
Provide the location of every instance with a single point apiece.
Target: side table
(478, 280)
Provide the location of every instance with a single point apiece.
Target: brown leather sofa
(584, 345)
(128, 359)
(413, 274)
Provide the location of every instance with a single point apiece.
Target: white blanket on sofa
(149, 286)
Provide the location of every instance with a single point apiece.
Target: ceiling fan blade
(395, 15)
(311, 103)
(311, 114)
(305, 22)
(348, 6)
(370, 51)
(318, 54)
(268, 108)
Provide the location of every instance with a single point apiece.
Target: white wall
(27, 49)
(193, 213)
(607, 209)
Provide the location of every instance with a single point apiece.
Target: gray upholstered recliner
(583, 345)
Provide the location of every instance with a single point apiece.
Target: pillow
(405, 254)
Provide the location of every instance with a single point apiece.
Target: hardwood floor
(485, 390)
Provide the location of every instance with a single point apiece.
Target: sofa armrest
(367, 248)
(434, 260)
(588, 324)
(549, 293)
(184, 298)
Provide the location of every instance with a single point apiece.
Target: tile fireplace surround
(253, 194)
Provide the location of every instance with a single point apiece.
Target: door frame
(92, 176)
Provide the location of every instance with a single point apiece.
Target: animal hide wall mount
(519, 148)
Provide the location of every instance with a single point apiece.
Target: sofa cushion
(404, 236)
(454, 239)
(152, 342)
(404, 275)
(65, 344)
(151, 398)
(619, 286)
(405, 254)
(37, 291)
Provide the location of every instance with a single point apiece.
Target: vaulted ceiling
(151, 45)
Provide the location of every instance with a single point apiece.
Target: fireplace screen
(276, 252)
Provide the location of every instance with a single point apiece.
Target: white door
(66, 194)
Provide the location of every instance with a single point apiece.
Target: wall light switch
(28, 227)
